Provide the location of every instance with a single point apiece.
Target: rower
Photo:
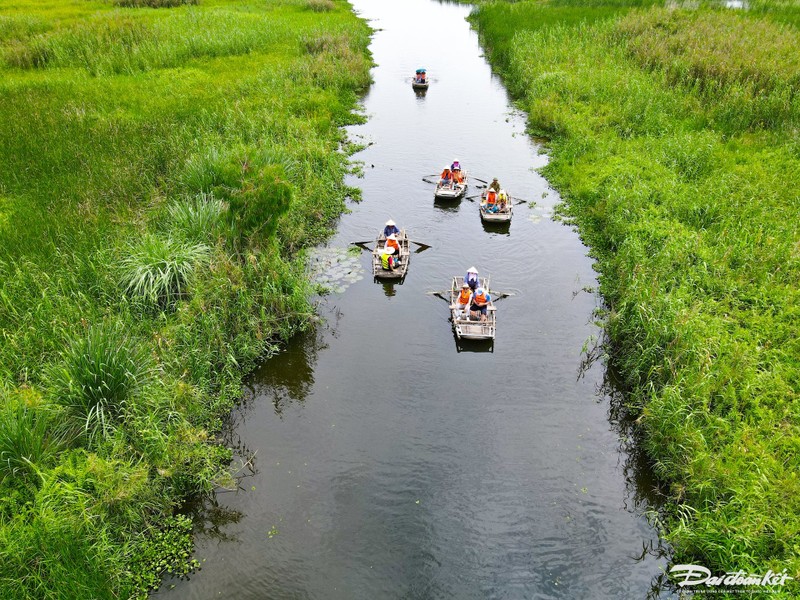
(391, 228)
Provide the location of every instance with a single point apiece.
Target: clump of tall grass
(199, 219)
(157, 270)
(320, 5)
(153, 3)
(30, 440)
(97, 375)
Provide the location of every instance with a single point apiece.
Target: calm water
(391, 462)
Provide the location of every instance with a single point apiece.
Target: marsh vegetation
(162, 172)
(673, 139)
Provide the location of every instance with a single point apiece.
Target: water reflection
(289, 376)
(389, 286)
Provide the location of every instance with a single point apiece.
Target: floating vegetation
(334, 269)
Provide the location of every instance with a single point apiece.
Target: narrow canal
(390, 462)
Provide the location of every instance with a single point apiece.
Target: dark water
(389, 461)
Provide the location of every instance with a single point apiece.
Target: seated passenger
(391, 242)
(480, 304)
(491, 201)
(388, 261)
(446, 177)
(502, 200)
(463, 300)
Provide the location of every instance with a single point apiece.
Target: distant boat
(405, 256)
(420, 81)
(501, 215)
(467, 329)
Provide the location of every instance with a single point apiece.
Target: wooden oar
(440, 295)
(421, 245)
(472, 198)
(429, 181)
(363, 245)
(478, 179)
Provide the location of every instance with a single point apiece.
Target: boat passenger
(391, 227)
(480, 304)
(458, 176)
(491, 201)
(471, 278)
(446, 176)
(495, 185)
(388, 261)
(391, 242)
(502, 200)
(464, 300)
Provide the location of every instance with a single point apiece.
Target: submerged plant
(157, 270)
(97, 376)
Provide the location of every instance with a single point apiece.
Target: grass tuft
(157, 270)
(97, 376)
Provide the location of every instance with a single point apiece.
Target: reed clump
(672, 136)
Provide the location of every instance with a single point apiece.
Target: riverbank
(673, 140)
(162, 170)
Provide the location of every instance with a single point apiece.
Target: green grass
(162, 171)
(673, 137)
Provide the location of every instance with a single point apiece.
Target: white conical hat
(388, 249)
(472, 270)
(390, 222)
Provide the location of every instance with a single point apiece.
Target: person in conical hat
(392, 242)
(388, 260)
(495, 185)
(391, 228)
(471, 278)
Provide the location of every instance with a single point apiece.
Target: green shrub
(320, 5)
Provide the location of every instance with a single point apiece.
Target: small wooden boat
(468, 329)
(501, 215)
(452, 190)
(405, 256)
(420, 81)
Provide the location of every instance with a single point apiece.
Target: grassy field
(673, 137)
(163, 163)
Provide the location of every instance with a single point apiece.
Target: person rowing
(391, 228)
(471, 278)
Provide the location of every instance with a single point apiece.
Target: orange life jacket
(457, 176)
(479, 298)
(446, 174)
(393, 244)
(463, 297)
(491, 197)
